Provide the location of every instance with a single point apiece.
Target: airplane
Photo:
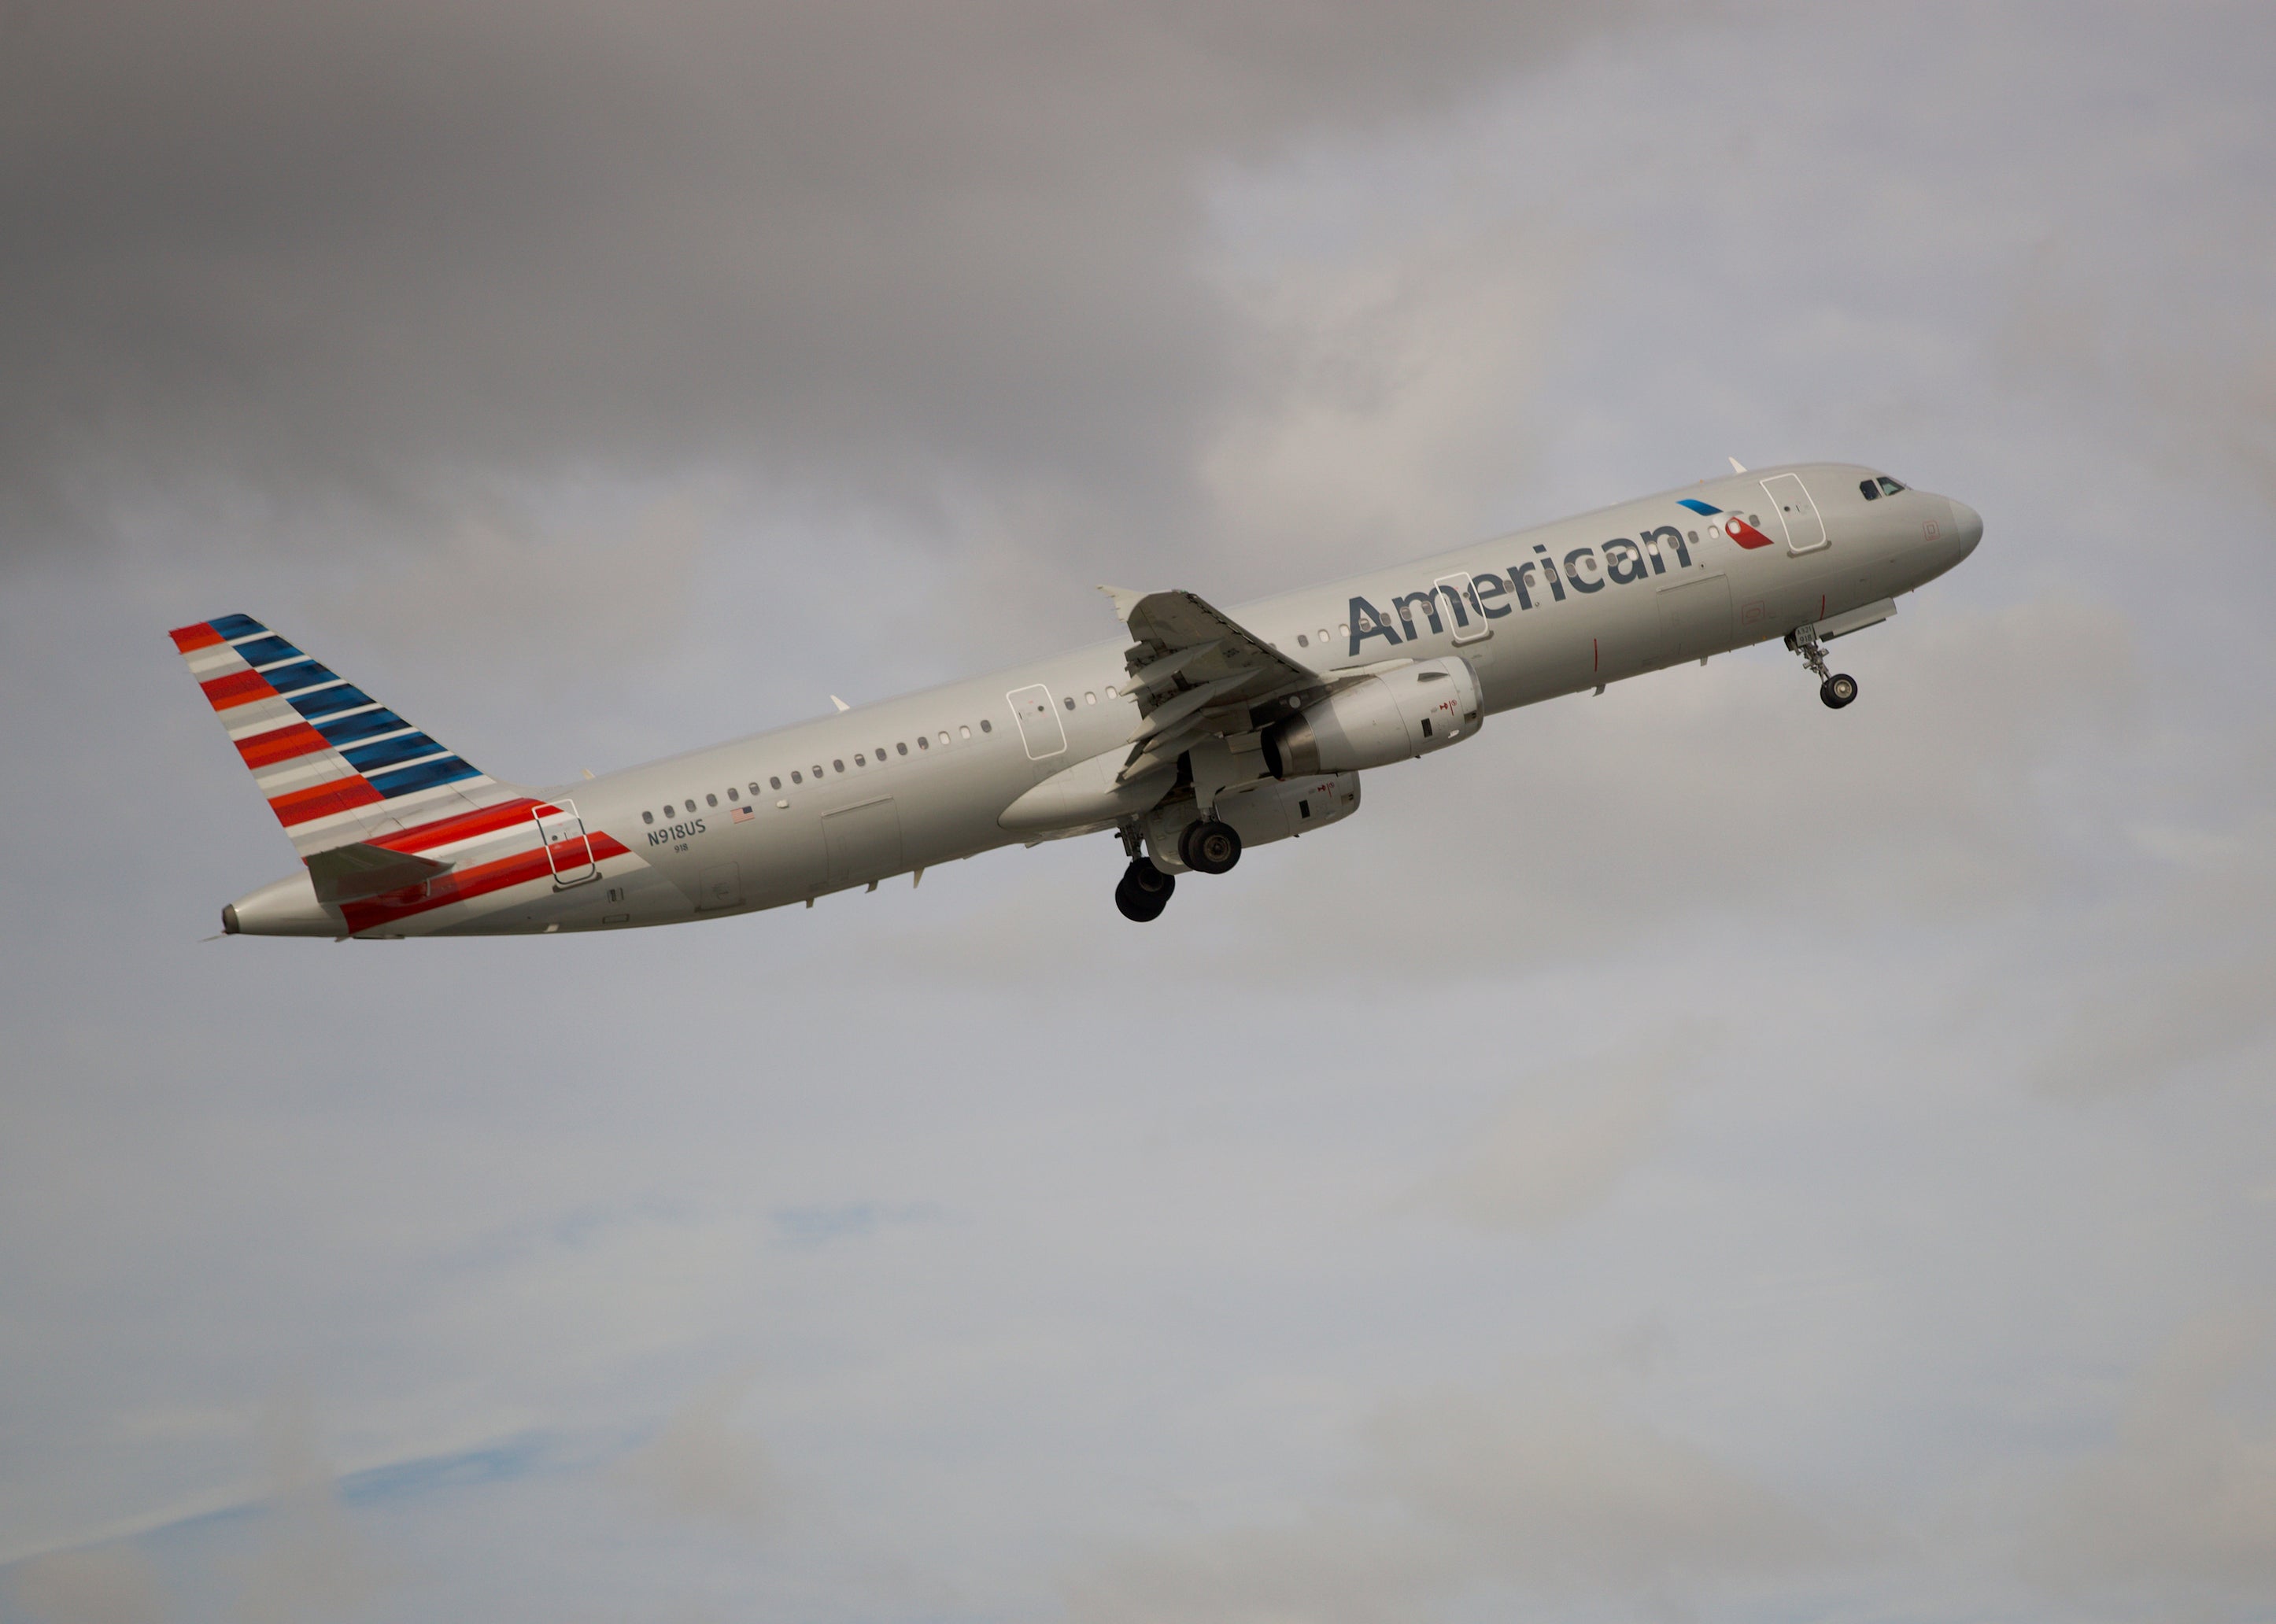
(1196, 735)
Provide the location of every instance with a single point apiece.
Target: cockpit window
(1889, 487)
(1872, 491)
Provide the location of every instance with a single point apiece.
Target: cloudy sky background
(1687, 1153)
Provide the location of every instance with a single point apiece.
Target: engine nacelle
(1392, 717)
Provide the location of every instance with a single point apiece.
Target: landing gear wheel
(1836, 688)
(1210, 847)
(1144, 891)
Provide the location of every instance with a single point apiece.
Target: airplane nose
(1967, 524)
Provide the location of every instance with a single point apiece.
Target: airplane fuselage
(895, 788)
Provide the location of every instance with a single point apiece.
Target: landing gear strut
(1836, 688)
(1144, 890)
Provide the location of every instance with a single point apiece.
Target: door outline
(1797, 511)
(1031, 707)
(1463, 589)
(567, 828)
(862, 843)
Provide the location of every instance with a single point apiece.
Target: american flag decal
(742, 815)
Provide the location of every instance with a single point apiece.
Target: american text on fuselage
(1198, 735)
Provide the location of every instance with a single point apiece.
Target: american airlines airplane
(1198, 735)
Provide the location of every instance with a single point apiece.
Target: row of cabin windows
(860, 759)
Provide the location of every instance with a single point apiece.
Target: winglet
(1737, 466)
(1124, 600)
(840, 703)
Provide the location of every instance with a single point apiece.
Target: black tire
(1837, 690)
(1143, 899)
(1210, 847)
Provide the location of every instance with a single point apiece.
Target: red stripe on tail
(465, 884)
(189, 638)
(304, 806)
(459, 826)
(239, 688)
(267, 749)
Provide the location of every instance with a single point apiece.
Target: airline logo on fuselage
(1738, 528)
(1622, 561)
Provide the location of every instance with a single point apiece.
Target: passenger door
(568, 852)
(1805, 527)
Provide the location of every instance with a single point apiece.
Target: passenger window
(1694, 540)
(839, 765)
(648, 818)
(962, 732)
(1324, 635)
(710, 800)
(817, 771)
(924, 743)
(796, 778)
(691, 809)
(1110, 692)
(732, 795)
(1344, 630)
(858, 760)
(1303, 642)
(1089, 698)
(771, 784)
(1070, 701)
(1872, 491)
(881, 755)
(987, 727)
(900, 749)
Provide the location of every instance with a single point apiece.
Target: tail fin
(338, 767)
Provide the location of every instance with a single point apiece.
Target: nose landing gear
(1836, 688)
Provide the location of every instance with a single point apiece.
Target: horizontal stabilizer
(351, 873)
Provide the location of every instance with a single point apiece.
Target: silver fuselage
(853, 798)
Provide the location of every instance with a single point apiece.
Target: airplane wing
(1195, 674)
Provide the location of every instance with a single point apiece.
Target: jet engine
(1392, 717)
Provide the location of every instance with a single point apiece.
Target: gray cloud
(310, 1561)
(703, 1465)
(1566, 1137)
(2176, 1516)
(1541, 1486)
(385, 254)
(109, 1584)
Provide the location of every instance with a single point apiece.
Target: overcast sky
(1688, 1154)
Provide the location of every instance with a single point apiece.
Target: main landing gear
(1206, 847)
(1210, 847)
(1836, 688)
(1144, 890)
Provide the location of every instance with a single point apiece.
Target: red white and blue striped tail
(336, 766)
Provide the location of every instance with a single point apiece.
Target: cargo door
(863, 843)
(1695, 617)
